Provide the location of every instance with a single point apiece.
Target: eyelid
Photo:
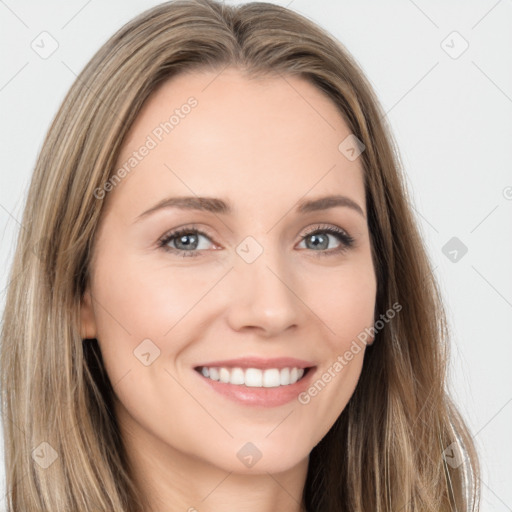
(324, 227)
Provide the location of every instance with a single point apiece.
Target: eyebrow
(219, 206)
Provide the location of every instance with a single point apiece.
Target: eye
(185, 241)
(319, 239)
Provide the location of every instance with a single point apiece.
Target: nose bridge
(262, 294)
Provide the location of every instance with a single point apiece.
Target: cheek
(346, 310)
(135, 302)
(344, 300)
(140, 299)
(143, 298)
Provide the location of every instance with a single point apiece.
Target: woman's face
(253, 292)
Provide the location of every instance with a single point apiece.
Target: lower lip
(261, 397)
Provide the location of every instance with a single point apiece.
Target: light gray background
(452, 118)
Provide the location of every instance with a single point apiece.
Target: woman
(268, 370)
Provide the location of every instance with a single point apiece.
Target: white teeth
(254, 377)
(284, 376)
(224, 375)
(271, 378)
(214, 373)
(237, 376)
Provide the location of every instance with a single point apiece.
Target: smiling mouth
(254, 377)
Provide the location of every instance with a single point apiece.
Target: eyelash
(346, 240)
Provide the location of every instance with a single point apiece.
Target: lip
(260, 397)
(259, 362)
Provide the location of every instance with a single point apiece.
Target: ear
(87, 320)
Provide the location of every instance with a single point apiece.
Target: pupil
(184, 237)
(317, 238)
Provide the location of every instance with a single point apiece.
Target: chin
(263, 456)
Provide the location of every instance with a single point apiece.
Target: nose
(263, 295)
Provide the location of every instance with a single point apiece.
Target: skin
(262, 144)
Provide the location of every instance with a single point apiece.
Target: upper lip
(258, 362)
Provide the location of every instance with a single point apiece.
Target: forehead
(223, 134)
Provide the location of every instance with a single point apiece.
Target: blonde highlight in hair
(385, 451)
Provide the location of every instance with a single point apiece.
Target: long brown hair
(387, 450)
